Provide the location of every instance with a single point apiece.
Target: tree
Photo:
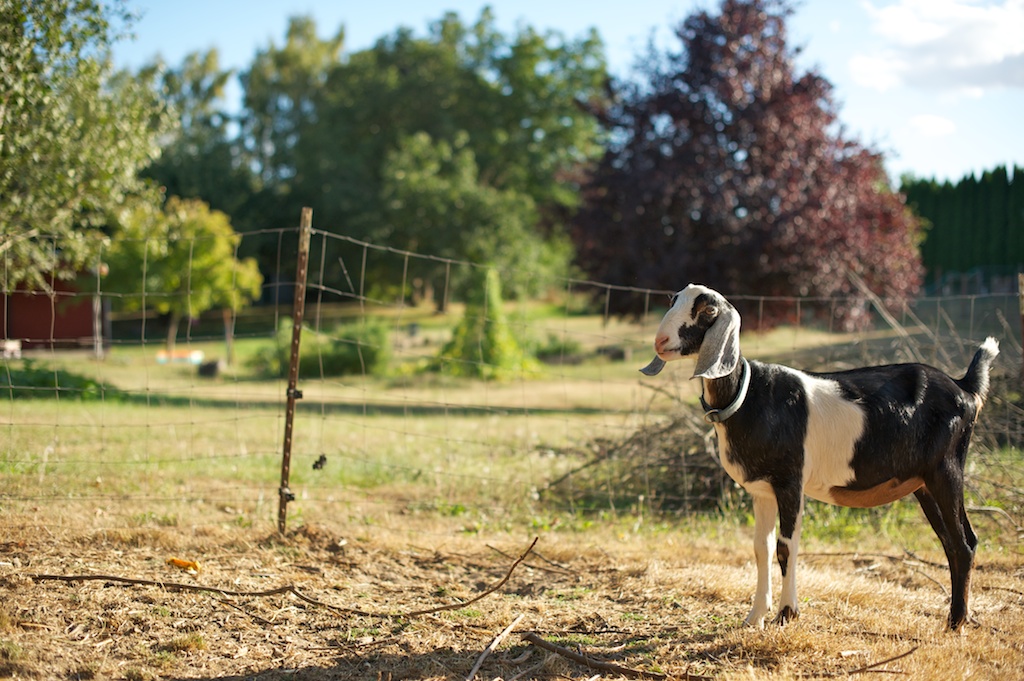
(199, 158)
(435, 203)
(729, 168)
(180, 261)
(73, 134)
(321, 128)
(974, 224)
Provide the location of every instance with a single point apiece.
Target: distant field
(429, 492)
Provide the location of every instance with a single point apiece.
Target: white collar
(720, 415)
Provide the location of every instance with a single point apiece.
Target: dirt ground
(321, 603)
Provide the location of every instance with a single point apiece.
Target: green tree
(73, 134)
(180, 261)
(435, 203)
(974, 222)
(321, 129)
(200, 159)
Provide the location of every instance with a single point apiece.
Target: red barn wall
(41, 321)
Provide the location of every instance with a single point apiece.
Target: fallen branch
(557, 569)
(871, 667)
(482, 595)
(493, 646)
(288, 589)
(865, 669)
(591, 663)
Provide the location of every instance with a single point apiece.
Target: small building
(64, 318)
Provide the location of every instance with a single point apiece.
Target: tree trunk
(172, 333)
(229, 335)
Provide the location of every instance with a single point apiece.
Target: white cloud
(930, 125)
(954, 45)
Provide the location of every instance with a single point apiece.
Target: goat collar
(720, 415)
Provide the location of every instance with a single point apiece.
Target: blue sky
(937, 85)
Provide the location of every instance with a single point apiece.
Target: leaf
(189, 566)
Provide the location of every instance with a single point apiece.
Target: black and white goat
(858, 438)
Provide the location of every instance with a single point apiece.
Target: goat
(858, 438)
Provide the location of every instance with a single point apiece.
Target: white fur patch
(679, 315)
(833, 427)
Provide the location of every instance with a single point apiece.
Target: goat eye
(709, 311)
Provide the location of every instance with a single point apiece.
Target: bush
(37, 381)
(556, 347)
(482, 345)
(359, 348)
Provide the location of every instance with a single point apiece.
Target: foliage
(482, 344)
(435, 203)
(556, 347)
(335, 132)
(361, 348)
(975, 222)
(179, 261)
(198, 159)
(33, 380)
(74, 134)
(728, 167)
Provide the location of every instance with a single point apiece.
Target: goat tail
(975, 381)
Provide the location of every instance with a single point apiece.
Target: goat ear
(720, 351)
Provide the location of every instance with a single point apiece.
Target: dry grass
(428, 496)
(659, 599)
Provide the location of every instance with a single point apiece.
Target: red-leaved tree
(726, 167)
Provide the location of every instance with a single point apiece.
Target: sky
(936, 85)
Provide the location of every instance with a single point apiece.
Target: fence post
(298, 308)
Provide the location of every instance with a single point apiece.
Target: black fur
(918, 424)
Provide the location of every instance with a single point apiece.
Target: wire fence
(103, 423)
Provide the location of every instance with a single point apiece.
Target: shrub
(556, 347)
(482, 345)
(33, 380)
(359, 348)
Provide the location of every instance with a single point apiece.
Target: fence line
(141, 438)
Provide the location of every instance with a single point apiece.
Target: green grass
(175, 451)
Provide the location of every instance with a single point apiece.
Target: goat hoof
(957, 626)
(787, 614)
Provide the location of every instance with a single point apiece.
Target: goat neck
(722, 397)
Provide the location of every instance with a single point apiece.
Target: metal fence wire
(101, 420)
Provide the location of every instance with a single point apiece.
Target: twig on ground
(495, 642)
(553, 563)
(264, 622)
(866, 669)
(482, 595)
(919, 559)
(290, 588)
(1002, 588)
(591, 663)
(871, 667)
(557, 569)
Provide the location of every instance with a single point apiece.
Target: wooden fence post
(298, 309)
